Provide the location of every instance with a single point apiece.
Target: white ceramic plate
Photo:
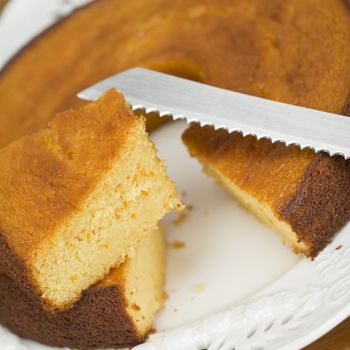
(234, 285)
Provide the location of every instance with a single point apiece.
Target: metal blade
(208, 105)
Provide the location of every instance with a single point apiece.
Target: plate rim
(324, 295)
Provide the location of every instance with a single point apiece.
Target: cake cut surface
(76, 198)
(116, 312)
(305, 204)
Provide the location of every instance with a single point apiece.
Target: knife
(233, 111)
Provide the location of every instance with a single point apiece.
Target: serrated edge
(147, 110)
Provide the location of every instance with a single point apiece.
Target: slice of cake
(76, 198)
(304, 196)
(116, 312)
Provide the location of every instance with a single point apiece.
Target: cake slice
(116, 312)
(304, 196)
(76, 198)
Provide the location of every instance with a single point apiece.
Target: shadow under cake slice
(76, 198)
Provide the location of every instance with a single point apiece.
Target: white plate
(234, 285)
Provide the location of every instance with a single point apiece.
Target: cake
(294, 51)
(116, 312)
(77, 197)
(2, 4)
(304, 197)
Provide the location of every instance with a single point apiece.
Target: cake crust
(321, 204)
(59, 175)
(97, 320)
(101, 317)
(308, 192)
(67, 191)
(257, 61)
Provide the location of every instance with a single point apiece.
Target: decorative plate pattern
(318, 297)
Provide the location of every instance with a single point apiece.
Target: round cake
(295, 51)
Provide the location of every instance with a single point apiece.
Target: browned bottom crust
(2, 4)
(97, 320)
(118, 311)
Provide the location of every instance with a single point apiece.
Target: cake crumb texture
(116, 312)
(76, 198)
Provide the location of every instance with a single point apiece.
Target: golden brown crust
(2, 4)
(104, 316)
(97, 320)
(45, 177)
(244, 160)
(55, 169)
(321, 205)
(346, 108)
(309, 192)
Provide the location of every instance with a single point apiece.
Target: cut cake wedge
(116, 312)
(303, 196)
(76, 198)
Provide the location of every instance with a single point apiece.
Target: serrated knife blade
(208, 105)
